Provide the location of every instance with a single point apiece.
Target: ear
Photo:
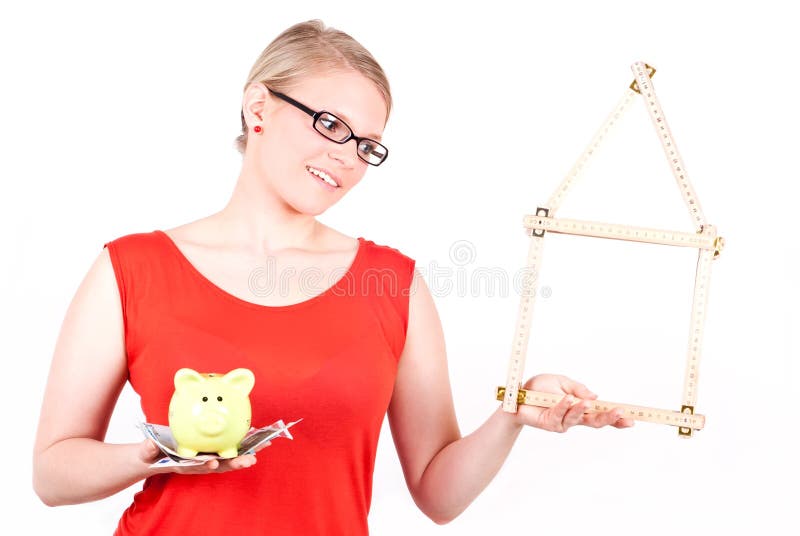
(256, 103)
(186, 378)
(241, 379)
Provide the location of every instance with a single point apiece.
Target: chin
(308, 202)
(309, 209)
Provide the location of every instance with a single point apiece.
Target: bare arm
(71, 463)
(444, 471)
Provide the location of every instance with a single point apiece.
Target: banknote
(255, 440)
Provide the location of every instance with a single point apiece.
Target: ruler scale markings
(620, 232)
(522, 331)
(705, 239)
(629, 411)
(699, 307)
(668, 143)
(577, 169)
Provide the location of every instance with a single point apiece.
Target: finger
(555, 415)
(148, 451)
(575, 414)
(624, 423)
(239, 462)
(590, 419)
(560, 409)
(603, 418)
(612, 416)
(621, 421)
(576, 388)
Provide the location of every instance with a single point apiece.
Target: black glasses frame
(317, 115)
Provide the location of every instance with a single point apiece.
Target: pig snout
(212, 422)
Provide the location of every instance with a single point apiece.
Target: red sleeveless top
(330, 360)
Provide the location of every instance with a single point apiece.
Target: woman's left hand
(566, 413)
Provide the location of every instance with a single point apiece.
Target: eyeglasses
(336, 130)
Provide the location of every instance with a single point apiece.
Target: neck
(256, 218)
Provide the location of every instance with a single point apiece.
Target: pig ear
(241, 379)
(187, 377)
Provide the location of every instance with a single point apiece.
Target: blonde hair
(308, 48)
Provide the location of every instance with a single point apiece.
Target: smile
(323, 175)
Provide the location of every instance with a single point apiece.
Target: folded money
(255, 440)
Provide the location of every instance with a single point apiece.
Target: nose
(212, 423)
(344, 153)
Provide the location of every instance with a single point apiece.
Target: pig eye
(205, 399)
(219, 399)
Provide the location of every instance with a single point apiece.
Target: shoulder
(383, 255)
(130, 253)
(390, 271)
(133, 241)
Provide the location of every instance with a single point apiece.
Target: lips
(325, 175)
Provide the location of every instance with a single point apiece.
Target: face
(289, 155)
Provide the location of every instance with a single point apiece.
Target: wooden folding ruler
(705, 239)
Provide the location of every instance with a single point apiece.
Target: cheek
(293, 144)
(359, 173)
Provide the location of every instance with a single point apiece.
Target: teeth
(324, 176)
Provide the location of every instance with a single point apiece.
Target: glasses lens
(332, 127)
(372, 152)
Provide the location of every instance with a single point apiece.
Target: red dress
(331, 360)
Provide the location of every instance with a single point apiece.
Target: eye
(330, 123)
(366, 147)
(219, 399)
(205, 399)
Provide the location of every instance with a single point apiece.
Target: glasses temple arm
(293, 102)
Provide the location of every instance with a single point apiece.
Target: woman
(340, 356)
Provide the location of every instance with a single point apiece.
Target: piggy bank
(210, 412)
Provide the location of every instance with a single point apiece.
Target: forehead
(350, 95)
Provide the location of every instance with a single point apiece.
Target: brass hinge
(651, 71)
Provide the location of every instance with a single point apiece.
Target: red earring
(257, 128)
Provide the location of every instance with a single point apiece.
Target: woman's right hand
(149, 453)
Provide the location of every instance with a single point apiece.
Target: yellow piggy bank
(210, 412)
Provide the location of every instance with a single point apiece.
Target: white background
(120, 118)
